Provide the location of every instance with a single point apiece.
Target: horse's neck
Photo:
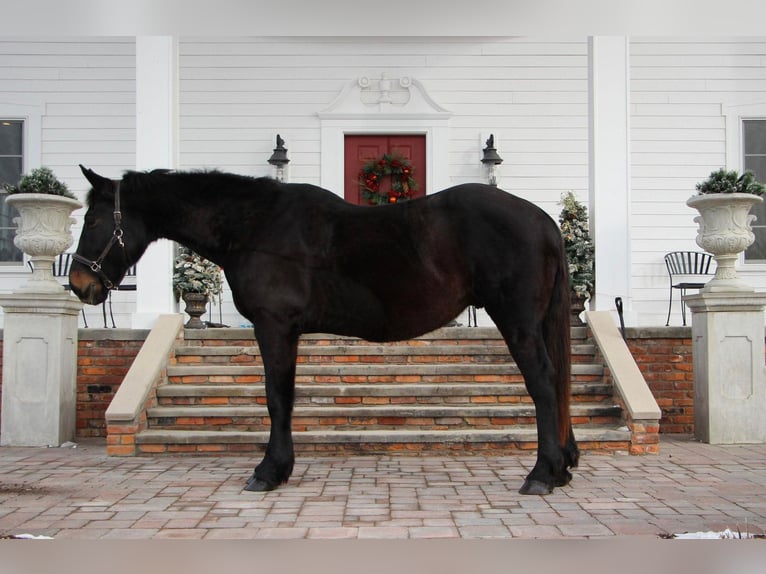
(181, 215)
(189, 214)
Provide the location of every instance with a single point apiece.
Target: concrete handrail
(627, 377)
(130, 398)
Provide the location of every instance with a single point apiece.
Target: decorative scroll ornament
(384, 95)
(385, 90)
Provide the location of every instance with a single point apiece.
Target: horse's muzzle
(87, 287)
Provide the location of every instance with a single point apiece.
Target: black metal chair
(686, 270)
(472, 316)
(124, 286)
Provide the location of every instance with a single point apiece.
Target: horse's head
(109, 242)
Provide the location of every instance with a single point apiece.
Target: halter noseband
(95, 266)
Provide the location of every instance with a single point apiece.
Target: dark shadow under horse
(299, 259)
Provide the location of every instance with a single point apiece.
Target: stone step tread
(447, 333)
(366, 350)
(403, 410)
(371, 390)
(526, 433)
(372, 369)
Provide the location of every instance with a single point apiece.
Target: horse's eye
(90, 222)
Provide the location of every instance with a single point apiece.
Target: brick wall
(664, 356)
(104, 357)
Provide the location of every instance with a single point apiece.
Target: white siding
(237, 94)
(85, 89)
(678, 136)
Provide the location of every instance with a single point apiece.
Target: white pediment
(384, 97)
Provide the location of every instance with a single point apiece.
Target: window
(11, 166)
(754, 159)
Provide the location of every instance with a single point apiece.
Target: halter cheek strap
(116, 238)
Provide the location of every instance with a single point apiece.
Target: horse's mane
(205, 181)
(202, 186)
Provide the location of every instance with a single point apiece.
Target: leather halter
(116, 238)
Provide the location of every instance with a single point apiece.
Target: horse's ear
(97, 181)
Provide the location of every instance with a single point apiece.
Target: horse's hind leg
(279, 354)
(529, 352)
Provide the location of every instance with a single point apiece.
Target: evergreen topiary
(40, 180)
(724, 181)
(573, 222)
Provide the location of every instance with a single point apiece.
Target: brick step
(372, 373)
(404, 354)
(518, 438)
(456, 389)
(420, 417)
(447, 335)
(381, 393)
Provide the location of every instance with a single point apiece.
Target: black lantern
(279, 159)
(491, 160)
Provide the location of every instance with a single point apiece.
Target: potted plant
(724, 200)
(195, 280)
(573, 222)
(45, 206)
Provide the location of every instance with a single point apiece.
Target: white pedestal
(729, 372)
(39, 369)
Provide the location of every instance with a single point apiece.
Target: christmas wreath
(374, 173)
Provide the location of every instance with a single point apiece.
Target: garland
(403, 183)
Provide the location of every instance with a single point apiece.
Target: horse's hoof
(535, 487)
(256, 484)
(564, 479)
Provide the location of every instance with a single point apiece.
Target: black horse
(299, 260)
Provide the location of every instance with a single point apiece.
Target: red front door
(361, 149)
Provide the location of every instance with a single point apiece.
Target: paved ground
(80, 493)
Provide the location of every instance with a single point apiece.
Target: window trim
(32, 135)
(735, 116)
(31, 150)
(349, 115)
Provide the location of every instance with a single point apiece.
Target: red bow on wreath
(401, 172)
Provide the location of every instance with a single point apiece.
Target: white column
(156, 147)
(609, 165)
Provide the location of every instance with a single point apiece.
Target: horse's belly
(423, 311)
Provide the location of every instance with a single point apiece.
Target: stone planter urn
(725, 231)
(43, 232)
(196, 306)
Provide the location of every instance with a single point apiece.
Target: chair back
(689, 263)
(61, 265)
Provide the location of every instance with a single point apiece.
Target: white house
(630, 124)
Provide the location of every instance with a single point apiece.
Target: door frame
(419, 116)
(437, 150)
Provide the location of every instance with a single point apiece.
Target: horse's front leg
(279, 354)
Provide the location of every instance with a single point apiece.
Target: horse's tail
(557, 340)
